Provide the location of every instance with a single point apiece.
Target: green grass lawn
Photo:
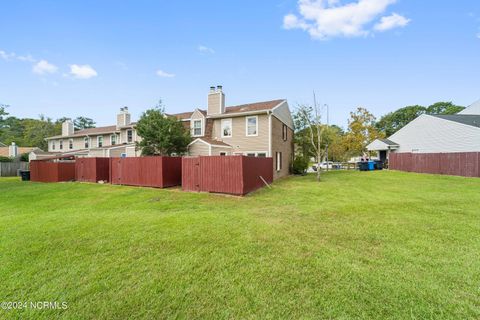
(358, 245)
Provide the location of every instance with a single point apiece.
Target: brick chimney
(123, 117)
(67, 128)
(13, 150)
(216, 101)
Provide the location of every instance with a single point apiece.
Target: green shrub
(5, 159)
(300, 165)
(24, 157)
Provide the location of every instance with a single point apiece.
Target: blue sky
(71, 58)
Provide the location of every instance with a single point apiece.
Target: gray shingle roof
(468, 119)
(389, 142)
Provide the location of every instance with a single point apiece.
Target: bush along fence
(466, 164)
(236, 175)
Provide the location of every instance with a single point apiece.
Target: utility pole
(326, 146)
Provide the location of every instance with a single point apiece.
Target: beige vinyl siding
(239, 139)
(216, 151)
(199, 149)
(279, 145)
(117, 152)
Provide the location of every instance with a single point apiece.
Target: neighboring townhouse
(110, 141)
(262, 129)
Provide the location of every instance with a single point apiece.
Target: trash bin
(25, 174)
(371, 165)
(362, 166)
(378, 165)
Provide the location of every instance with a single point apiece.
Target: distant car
(326, 164)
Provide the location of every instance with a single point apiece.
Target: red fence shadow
(236, 175)
(160, 172)
(466, 164)
(92, 169)
(44, 171)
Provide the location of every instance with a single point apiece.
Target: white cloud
(82, 71)
(391, 22)
(6, 56)
(324, 19)
(164, 74)
(44, 67)
(205, 49)
(27, 58)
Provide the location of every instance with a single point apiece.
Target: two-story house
(262, 129)
(109, 141)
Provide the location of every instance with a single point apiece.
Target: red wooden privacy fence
(160, 172)
(45, 171)
(465, 164)
(236, 175)
(92, 169)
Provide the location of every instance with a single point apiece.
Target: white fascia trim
(270, 134)
(278, 105)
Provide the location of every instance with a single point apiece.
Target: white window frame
(70, 144)
(60, 145)
(278, 161)
(231, 127)
(131, 131)
(255, 153)
(111, 139)
(193, 127)
(53, 144)
(256, 126)
(98, 141)
(86, 142)
(284, 132)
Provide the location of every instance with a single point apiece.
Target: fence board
(236, 175)
(92, 169)
(44, 171)
(159, 172)
(466, 164)
(10, 169)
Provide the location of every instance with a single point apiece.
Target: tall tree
(81, 123)
(36, 130)
(310, 119)
(361, 131)
(394, 121)
(161, 134)
(444, 108)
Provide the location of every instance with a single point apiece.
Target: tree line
(28, 132)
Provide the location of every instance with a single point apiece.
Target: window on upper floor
(129, 136)
(226, 128)
(284, 132)
(113, 139)
(70, 144)
(53, 145)
(60, 145)
(100, 141)
(251, 124)
(197, 128)
(86, 142)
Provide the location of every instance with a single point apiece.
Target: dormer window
(86, 142)
(197, 128)
(100, 141)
